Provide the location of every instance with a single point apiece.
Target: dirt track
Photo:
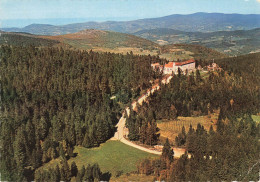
(119, 135)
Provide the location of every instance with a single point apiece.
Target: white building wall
(189, 67)
(167, 70)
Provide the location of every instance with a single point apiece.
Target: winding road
(119, 135)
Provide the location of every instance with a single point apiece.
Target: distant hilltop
(197, 22)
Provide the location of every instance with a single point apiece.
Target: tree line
(227, 154)
(25, 39)
(142, 125)
(231, 91)
(194, 95)
(232, 151)
(66, 173)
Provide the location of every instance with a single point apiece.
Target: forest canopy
(53, 99)
(229, 153)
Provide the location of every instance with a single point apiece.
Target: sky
(12, 11)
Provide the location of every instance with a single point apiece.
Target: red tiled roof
(184, 62)
(133, 102)
(155, 86)
(169, 65)
(155, 64)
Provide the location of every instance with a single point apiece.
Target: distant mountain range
(230, 42)
(198, 22)
(168, 32)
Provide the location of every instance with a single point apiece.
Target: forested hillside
(246, 67)
(23, 39)
(193, 96)
(231, 152)
(197, 51)
(53, 99)
(238, 42)
(235, 90)
(107, 39)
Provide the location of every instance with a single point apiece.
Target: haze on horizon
(15, 13)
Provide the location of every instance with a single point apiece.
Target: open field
(112, 156)
(125, 50)
(170, 129)
(204, 74)
(256, 118)
(173, 57)
(196, 51)
(173, 53)
(133, 178)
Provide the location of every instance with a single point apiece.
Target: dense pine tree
(53, 95)
(74, 169)
(167, 152)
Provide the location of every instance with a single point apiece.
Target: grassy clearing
(172, 56)
(125, 50)
(83, 45)
(256, 118)
(112, 156)
(204, 74)
(170, 129)
(132, 177)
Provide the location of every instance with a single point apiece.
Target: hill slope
(98, 38)
(107, 41)
(246, 66)
(231, 42)
(203, 22)
(187, 51)
(23, 39)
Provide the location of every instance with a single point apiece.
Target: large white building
(172, 67)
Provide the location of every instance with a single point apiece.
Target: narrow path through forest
(119, 135)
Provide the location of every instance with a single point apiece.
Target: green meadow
(112, 156)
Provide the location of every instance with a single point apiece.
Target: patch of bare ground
(171, 128)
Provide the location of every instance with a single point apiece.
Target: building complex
(172, 67)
